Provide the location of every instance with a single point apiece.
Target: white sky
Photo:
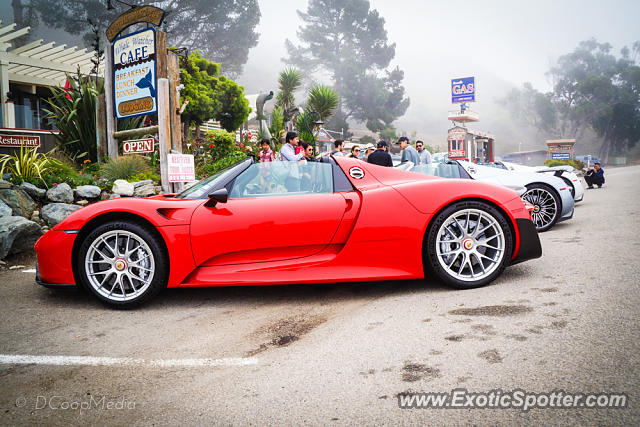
(502, 43)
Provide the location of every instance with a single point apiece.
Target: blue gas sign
(463, 90)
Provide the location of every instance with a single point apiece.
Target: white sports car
(566, 173)
(550, 196)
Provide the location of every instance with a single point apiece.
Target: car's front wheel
(122, 263)
(546, 205)
(468, 244)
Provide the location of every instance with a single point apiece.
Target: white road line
(30, 270)
(23, 359)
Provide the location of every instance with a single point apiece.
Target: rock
(122, 187)
(62, 193)
(104, 195)
(87, 192)
(19, 201)
(82, 202)
(5, 184)
(53, 213)
(141, 183)
(114, 196)
(158, 188)
(145, 191)
(17, 234)
(5, 210)
(35, 192)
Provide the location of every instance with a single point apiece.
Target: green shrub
(27, 165)
(124, 167)
(145, 176)
(577, 164)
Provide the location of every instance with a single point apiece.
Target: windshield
(215, 181)
(444, 170)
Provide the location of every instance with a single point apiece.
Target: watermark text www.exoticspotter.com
(86, 403)
(461, 398)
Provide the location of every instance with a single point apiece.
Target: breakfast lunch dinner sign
(134, 69)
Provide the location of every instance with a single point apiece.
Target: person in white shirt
(423, 153)
(288, 150)
(288, 154)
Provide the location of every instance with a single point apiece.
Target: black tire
(148, 264)
(543, 217)
(499, 234)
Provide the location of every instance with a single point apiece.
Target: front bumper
(54, 258)
(530, 247)
(51, 285)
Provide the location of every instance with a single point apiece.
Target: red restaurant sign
(18, 140)
(137, 146)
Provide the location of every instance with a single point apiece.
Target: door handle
(349, 205)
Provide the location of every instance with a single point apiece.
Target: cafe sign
(134, 74)
(19, 140)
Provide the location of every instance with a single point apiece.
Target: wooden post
(161, 54)
(112, 142)
(101, 128)
(164, 131)
(173, 71)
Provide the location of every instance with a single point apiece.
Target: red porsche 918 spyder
(337, 220)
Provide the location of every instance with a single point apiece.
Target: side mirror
(217, 196)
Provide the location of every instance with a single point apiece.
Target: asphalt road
(341, 353)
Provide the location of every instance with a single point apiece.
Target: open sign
(137, 146)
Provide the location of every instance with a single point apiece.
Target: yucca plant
(277, 124)
(289, 81)
(301, 126)
(26, 165)
(74, 113)
(322, 99)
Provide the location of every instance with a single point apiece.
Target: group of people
(295, 150)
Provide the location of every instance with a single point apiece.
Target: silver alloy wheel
(470, 244)
(119, 265)
(544, 206)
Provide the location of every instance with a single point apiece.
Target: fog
(502, 43)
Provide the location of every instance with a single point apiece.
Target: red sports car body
(339, 220)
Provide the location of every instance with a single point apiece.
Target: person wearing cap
(380, 156)
(369, 148)
(595, 175)
(409, 154)
(423, 153)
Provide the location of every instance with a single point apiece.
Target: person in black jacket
(380, 156)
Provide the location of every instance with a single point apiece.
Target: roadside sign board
(137, 146)
(560, 156)
(134, 74)
(18, 140)
(181, 168)
(463, 90)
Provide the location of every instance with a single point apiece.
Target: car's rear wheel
(122, 263)
(468, 244)
(546, 205)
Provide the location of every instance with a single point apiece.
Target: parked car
(290, 223)
(566, 173)
(549, 195)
